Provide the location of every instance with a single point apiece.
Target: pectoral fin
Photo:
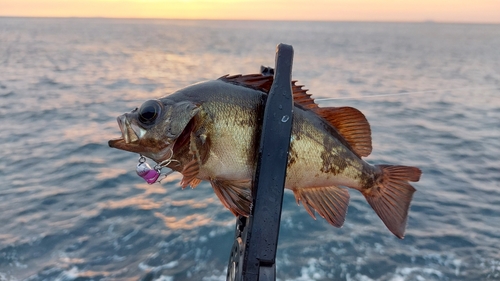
(330, 202)
(190, 173)
(234, 195)
(197, 148)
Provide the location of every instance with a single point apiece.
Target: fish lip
(116, 143)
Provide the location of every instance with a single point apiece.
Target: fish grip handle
(253, 255)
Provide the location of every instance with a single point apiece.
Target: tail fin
(391, 195)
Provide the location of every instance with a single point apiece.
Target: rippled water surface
(71, 208)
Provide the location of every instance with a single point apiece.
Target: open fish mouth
(131, 133)
(128, 134)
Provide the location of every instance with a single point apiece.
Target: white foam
(358, 277)
(165, 278)
(130, 235)
(215, 277)
(419, 273)
(73, 273)
(169, 265)
(3, 277)
(311, 272)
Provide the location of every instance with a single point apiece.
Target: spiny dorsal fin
(254, 81)
(264, 82)
(351, 124)
(330, 202)
(301, 97)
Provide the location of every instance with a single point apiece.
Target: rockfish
(210, 131)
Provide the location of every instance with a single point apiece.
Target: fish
(209, 131)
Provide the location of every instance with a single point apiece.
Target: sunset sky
(476, 11)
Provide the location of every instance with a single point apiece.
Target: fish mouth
(131, 133)
(128, 134)
(134, 138)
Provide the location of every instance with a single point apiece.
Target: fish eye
(149, 111)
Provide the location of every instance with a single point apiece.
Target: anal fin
(234, 195)
(329, 202)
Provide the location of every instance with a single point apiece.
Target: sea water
(71, 208)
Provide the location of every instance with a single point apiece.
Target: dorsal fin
(301, 97)
(351, 124)
(254, 81)
(348, 121)
(264, 82)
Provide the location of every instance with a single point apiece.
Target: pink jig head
(145, 171)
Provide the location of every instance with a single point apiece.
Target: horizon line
(262, 20)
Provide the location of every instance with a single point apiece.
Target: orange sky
(480, 11)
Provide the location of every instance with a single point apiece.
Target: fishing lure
(144, 171)
(151, 175)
